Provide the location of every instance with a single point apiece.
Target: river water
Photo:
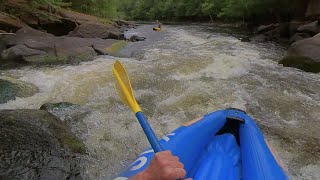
(177, 75)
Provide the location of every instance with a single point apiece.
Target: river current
(177, 75)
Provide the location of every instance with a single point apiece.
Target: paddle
(125, 92)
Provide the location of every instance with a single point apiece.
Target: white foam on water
(311, 172)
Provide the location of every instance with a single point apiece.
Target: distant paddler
(158, 28)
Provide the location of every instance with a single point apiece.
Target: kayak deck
(225, 144)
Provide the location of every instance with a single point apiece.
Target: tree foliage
(246, 10)
(249, 10)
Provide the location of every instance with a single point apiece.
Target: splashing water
(180, 77)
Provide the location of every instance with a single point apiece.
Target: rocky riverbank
(304, 38)
(303, 34)
(41, 36)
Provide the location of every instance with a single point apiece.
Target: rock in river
(32, 47)
(37, 145)
(304, 54)
(10, 89)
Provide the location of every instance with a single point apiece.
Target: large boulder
(304, 55)
(299, 37)
(40, 17)
(30, 46)
(311, 28)
(97, 30)
(37, 145)
(10, 89)
(20, 51)
(313, 8)
(10, 23)
(26, 34)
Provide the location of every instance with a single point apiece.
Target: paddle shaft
(153, 140)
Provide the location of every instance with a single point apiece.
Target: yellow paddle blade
(123, 86)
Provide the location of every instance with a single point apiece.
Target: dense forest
(187, 10)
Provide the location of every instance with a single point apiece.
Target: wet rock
(30, 46)
(123, 23)
(263, 28)
(304, 55)
(299, 37)
(273, 32)
(244, 39)
(36, 145)
(10, 23)
(293, 27)
(101, 49)
(51, 107)
(72, 114)
(313, 8)
(26, 34)
(96, 30)
(10, 89)
(135, 38)
(311, 28)
(126, 24)
(40, 17)
(19, 51)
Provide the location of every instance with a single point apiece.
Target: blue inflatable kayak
(223, 145)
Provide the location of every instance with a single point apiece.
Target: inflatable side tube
(257, 160)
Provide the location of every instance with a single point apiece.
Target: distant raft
(225, 144)
(156, 29)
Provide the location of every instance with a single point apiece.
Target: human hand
(163, 166)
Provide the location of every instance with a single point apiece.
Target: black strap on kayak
(233, 123)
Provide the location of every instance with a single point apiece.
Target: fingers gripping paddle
(125, 92)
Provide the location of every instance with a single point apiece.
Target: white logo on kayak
(166, 138)
(143, 160)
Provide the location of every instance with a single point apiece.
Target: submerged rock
(304, 55)
(10, 89)
(36, 145)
